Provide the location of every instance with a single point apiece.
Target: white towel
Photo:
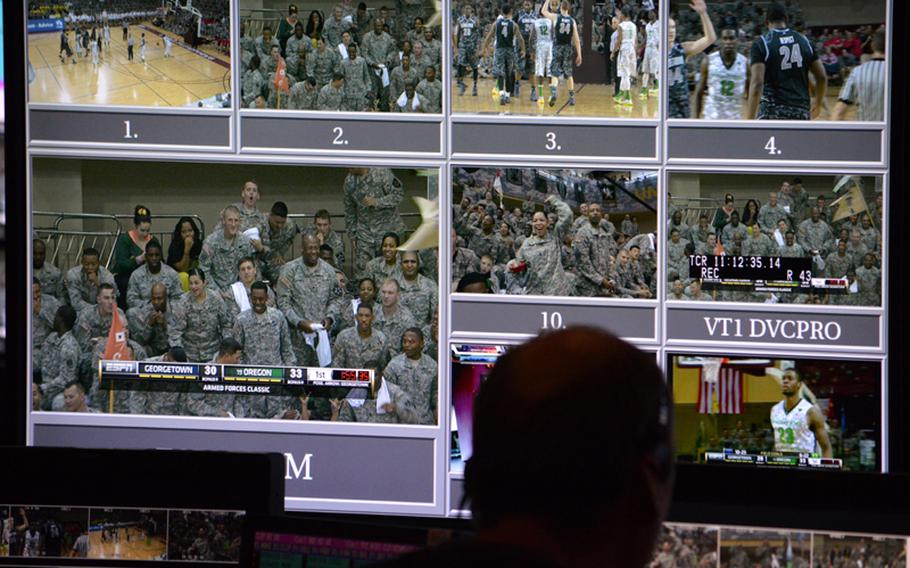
(385, 75)
(356, 397)
(403, 100)
(323, 349)
(253, 233)
(382, 398)
(343, 50)
(240, 296)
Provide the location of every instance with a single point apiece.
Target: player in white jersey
(168, 45)
(626, 61)
(95, 54)
(798, 424)
(107, 35)
(542, 37)
(650, 63)
(722, 88)
(142, 48)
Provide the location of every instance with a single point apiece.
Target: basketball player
(506, 31)
(781, 62)
(650, 63)
(525, 18)
(95, 50)
(628, 33)
(798, 424)
(543, 56)
(107, 34)
(724, 75)
(142, 48)
(677, 83)
(77, 37)
(65, 50)
(465, 40)
(130, 42)
(168, 45)
(566, 33)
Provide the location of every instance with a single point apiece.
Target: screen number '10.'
(129, 134)
(771, 147)
(339, 139)
(551, 320)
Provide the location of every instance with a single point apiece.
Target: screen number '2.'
(551, 320)
(551, 144)
(339, 139)
(129, 134)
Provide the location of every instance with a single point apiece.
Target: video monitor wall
(311, 228)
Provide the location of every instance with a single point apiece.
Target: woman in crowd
(386, 265)
(183, 253)
(201, 320)
(129, 251)
(540, 254)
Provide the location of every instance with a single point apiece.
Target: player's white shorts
(626, 62)
(543, 59)
(650, 63)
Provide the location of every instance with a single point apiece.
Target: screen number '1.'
(771, 147)
(552, 320)
(339, 137)
(551, 142)
(129, 134)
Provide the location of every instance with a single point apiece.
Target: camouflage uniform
(379, 50)
(354, 352)
(301, 98)
(760, 245)
(393, 326)
(266, 340)
(420, 64)
(263, 49)
(857, 253)
(815, 236)
(358, 84)
(546, 273)
(794, 251)
(154, 339)
(478, 241)
(628, 227)
(91, 324)
(419, 296)
(432, 94)
(252, 84)
(219, 258)
(99, 397)
(769, 217)
(332, 30)
(418, 379)
(306, 293)
(199, 327)
(398, 78)
(59, 364)
(292, 51)
(726, 236)
(465, 261)
(330, 98)
(51, 280)
(157, 403)
(379, 270)
(593, 249)
(870, 286)
(333, 239)
(676, 257)
(281, 244)
(366, 225)
(684, 230)
(322, 65)
(43, 325)
(233, 309)
(405, 412)
(868, 236)
(837, 266)
(699, 235)
(139, 289)
(627, 280)
(82, 293)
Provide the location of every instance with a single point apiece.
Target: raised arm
(709, 35)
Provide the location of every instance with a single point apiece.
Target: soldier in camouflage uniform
(869, 279)
(628, 282)
(759, 244)
(94, 323)
(463, 261)
(247, 269)
(99, 397)
(815, 236)
(200, 320)
(361, 347)
(710, 244)
(44, 311)
(416, 374)
(399, 77)
(869, 234)
(399, 411)
(295, 52)
(334, 27)
(59, 361)
(771, 213)
(372, 197)
(430, 89)
(358, 82)
(148, 322)
(323, 64)
(392, 319)
(304, 95)
(306, 290)
(152, 272)
(541, 251)
(791, 249)
(218, 404)
(800, 199)
(431, 337)
(482, 240)
(379, 51)
(677, 291)
(838, 263)
(676, 222)
(331, 95)
(594, 248)
(322, 230)
(676, 254)
(732, 228)
(418, 293)
(282, 232)
(386, 265)
(82, 282)
(161, 403)
(695, 293)
(252, 218)
(48, 275)
(265, 43)
(346, 308)
(699, 233)
(252, 82)
(432, 47)
(264, 336)
(856, 249)
(222, 250)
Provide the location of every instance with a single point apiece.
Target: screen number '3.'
(551, 142)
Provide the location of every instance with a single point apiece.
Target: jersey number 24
(790, 56)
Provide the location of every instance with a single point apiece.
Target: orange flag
(281, 76)
(116, 347)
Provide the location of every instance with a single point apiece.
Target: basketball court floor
(138, 547)
(183, 79)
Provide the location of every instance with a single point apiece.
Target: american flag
(725, 396)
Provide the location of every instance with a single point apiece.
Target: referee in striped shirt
(866, 86)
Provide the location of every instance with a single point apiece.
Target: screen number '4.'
(129, 134)
(771, 147)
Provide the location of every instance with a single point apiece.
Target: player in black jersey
(506, 32)
(781, 62)
(525, 67)
(566, 41)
